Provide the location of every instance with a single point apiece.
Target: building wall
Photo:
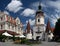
(41, 19)
(41, 30)
(29, 36)
(9, 23)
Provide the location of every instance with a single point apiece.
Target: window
(17, 22)
(12, 27)
(1, 18)
(18, 27)
(38, 20)
(8, 18)
(9, 26)
(1, 26)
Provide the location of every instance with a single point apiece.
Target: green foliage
(2, 37)
(29, 42)
(26, 41)
(57, 30)
(23, 41)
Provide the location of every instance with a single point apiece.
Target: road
(43, 44)
(48, 44)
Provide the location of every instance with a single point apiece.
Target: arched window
(38, 20)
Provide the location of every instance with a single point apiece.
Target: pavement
(48, 44)
(43, 44)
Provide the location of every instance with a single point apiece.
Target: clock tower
(39, 27)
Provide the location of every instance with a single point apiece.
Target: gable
(17, 20)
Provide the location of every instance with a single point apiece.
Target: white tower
(38, 29)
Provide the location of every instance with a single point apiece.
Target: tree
(57, 30)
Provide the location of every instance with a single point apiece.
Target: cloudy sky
(25, 10)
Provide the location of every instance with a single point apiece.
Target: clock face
(41, 28)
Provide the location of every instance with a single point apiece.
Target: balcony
(38, 32)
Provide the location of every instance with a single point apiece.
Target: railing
(38, 32)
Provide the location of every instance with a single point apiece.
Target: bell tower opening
(38, 20)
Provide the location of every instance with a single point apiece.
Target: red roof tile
(52, 29)
(12, 33)
(48, 27)
(2, 31)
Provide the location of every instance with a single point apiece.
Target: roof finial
(39, 7)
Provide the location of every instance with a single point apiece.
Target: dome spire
(39, 7)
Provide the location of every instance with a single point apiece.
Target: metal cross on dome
(39, 7)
